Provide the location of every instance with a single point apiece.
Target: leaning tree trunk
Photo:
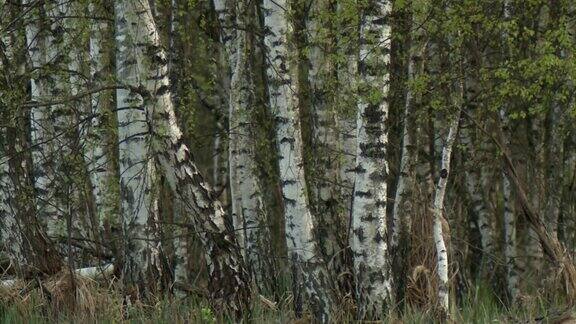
(138, 35)
(309, 269)
(141, 268)
(369, 230)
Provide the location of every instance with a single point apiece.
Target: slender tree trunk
(283, 88)
(369, 234)
(404, 200)
(474, 176)
(41, 127)
(10, 235)
(59, 49)
(439, 220)
(512, 279)
(98, 157)
(225, 10)
(332, 206)
(510, 245)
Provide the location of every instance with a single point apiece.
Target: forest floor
(54, 302)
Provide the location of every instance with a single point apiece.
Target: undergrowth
(51, 302)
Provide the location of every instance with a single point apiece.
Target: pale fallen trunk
(369, 232)
(137, 33)
(137, 168)
(93, 273)
(309, 269)
(439, 221)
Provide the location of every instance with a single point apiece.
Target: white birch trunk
(346, 121)
(439, 221)
(369, 232)
(97, 157)
(137, 167)
(283, 87)
(225, 10)
(474, 176)
(248, 209)
(138, 35)
(41, 127)
(510, 245)
(10, 234)
(330, 205)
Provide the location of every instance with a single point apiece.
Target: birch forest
(288, 161)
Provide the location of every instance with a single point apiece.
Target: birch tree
(41, 128)
(137, 34)
(404, 200)
(440, 193)
(510, 249)
(98, 114)
(249, 210)
(369, 232)
(309, 269)
(330, 204)
(10, 234)
(137, 166)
